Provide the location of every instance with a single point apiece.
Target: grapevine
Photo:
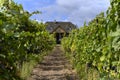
(97, 45)
(20, 37)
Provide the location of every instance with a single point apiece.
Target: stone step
(58, 76)
(51, 68)
(56, 55)
(64, 72)
(51, 58)
(64, 66)
(49, 63)
(53, 78)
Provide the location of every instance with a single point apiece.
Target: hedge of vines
(20, 37)
(98, 43)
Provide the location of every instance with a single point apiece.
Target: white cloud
(76, 11)
(83, 10)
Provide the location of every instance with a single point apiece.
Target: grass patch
(28, 66)
(93, 74)
(90, 74)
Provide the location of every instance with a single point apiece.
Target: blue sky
(75, 11)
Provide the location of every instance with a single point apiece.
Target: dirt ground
(54, 67)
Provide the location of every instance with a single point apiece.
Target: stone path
(54, 67)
